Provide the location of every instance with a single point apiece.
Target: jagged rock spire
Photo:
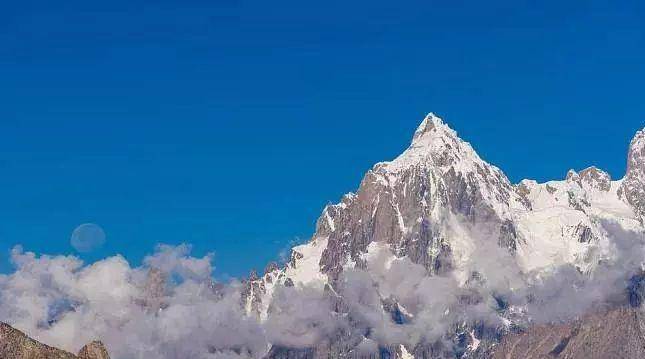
(429, 124)
(633, 187)
(404, 202)
(595, 178)
(94, 350)
(590, 178)
(15, 344)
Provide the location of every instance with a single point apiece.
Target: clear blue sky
(230, 124)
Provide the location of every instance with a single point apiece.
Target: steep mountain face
(436, 255)
(93, 350)
(14, 344)
(405, 203)
(418, 204)
(632, 189)
(616, 334)
(438, 203)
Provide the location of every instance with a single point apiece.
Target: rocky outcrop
(438, 203)
(94, 350)
(14, 344)
(632, 188)
(595, 178)
(614, 334)
(404, 202)
(444, 208)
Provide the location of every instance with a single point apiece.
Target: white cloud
(140, 314)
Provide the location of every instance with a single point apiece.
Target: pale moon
(87, 237)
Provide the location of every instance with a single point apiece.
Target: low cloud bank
(182, 315)
(171, 308)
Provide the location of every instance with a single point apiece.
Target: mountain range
(442, 207)
(14, 344)
(438, 254)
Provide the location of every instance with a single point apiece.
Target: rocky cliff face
(14, 344)
(613, 334)
(404, 203)
(632, 189)
(428, 202)
(436, 255)
(94, 350)
(438, 202)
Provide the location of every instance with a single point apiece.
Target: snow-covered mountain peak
(632, 189)
(438, 202)
(434, 134)
(572, 175)
(433, 126)
(435, 145)
(591, 178)
(639, 139)
(595, 178)
(636, 155)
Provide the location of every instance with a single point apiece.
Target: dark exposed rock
(408, 204)
(396, 203)
(390, 305)
(575, 202)
(523, 192)
(584, 234)
(551, 189)
(14, 344)
(94, 350)
(613, 334)
(508, 236)
(252, 289)
(595, 178)
(632, 188)
(253, 275)
(572, 176)
(154, 290)
(279, 352)
(272, 266)
(294, 257)
(636, 290)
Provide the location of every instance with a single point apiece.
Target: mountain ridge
(438, 202)
(435, 255)
(15, 344)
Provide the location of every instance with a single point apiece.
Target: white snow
(377, 249)
(330, 221)
(405, 354)
(307, 269)
(404, 311)
(475, 342)
(436, 146)
(399, 218)
(306, 272)
(547, 230)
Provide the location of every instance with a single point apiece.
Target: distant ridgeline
(436, 255)
(14, 344)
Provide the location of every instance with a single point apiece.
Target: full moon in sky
(87, 237)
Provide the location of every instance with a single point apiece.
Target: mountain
(442, 207)
(14, 344)
(618, 333)
(436, 255)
